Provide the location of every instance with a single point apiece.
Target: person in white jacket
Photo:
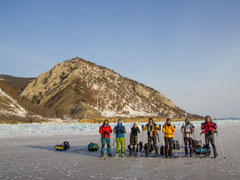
(188, 130)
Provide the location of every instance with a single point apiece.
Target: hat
(168, 120)
(150, 119)
(119, 120)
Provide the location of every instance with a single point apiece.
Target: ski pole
(220, 141)
(183, 144)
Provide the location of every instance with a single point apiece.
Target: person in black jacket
(134, 139)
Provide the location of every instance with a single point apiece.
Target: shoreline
(100, 120)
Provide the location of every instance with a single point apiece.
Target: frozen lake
(27, 152)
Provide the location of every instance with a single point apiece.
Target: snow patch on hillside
(14, 108)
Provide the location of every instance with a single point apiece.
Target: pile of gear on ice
(190, 144)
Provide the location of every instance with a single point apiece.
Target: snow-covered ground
(13, 107)
(27, 152)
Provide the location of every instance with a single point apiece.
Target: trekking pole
(183, 144)
(200, 147)
(142, 140)
(220, 142)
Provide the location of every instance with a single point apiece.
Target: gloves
(142, 126)
(160, 125)
(174, 126)
(105, 133)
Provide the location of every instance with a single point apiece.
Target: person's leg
(135, 145)
(166, 146)
(155, 146)
(108, 146)
(131, 145)
(122, 141)
(207, 144)
(171, 146)
(118, 146)
(103, 145)
(213, 145)
(149, 145)
(186, 147)
(190, 146)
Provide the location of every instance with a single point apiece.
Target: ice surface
(85, 128)
(34, 157)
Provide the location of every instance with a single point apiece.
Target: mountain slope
(78, 89)
(17, 83)
(14, 109)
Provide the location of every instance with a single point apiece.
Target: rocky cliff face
(78, 89)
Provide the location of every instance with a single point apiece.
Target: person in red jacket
(208, 128)
(105, 130)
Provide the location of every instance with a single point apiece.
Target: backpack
(62, 147)
(93, 147)
(176, 144)
(196, 143)
(133, 149)
(202, 150)
(191, 128)
(162, 150)
(146, 147)
(66, 145)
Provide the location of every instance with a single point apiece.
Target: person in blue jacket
(120, 130)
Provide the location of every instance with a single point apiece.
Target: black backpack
(66, 145)
(146, 147)
(162, 150)
(176, 144)
(133, 149)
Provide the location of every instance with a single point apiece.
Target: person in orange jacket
(105, 130)
(168, 131)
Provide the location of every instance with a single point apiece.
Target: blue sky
(188, 50)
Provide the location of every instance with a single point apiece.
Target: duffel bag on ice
(93, 147)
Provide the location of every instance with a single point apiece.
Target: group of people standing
(208, 128)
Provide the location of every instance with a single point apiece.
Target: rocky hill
(78, 89)
(14, 109)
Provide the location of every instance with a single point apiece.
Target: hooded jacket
(151, 129)
(168, 130)
(119, 130)
(105, 131)
(208, 128)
